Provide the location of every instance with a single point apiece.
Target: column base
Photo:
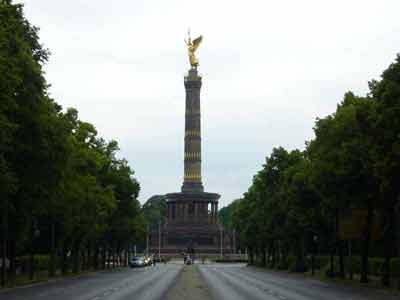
(192, 187)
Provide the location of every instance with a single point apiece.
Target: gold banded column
(192, 158)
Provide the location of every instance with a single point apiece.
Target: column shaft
(192, 157)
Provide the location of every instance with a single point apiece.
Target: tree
(386, 93)
(225, 214)
(57, 176)
(154, 210)
(25, 111)
(342, 165)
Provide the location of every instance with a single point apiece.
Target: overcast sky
(269, 69)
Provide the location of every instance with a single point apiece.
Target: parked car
(136, 261)
(147, 260)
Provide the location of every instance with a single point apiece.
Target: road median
(189, 285)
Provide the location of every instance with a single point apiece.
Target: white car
(137, 262)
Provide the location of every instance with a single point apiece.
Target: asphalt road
(238, 282)
(199, 282)
(149, 283)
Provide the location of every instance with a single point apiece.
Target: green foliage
(225, 214)
(41, 262)
(154, 210)
(294, 202)
(230, 260)
(56, 174)
(375, 265)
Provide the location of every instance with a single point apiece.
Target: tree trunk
(89, 263)
(251, 256)
(114, 260)
(96, 253)
(278, 252)
(109, 256)
(52, 262)
(339, 246)
(273, 252)
(341, 259)
(389, 237)
(269, 256)
(263, 257)
(4, 227)
(12, 258)
(367, 239)
(75, 257)
(64, 258)
(332, 265)
(3, 260)
(103, 257)
(82, 258)
(300, 265)
(31, 253)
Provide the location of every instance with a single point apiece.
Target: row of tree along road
(63, 191)
(340, 197)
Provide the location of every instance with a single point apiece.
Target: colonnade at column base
(191, 223)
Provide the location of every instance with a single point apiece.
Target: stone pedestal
(191, 223)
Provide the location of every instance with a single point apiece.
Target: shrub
(395, 267)
(283, 264)
(375, 265)
(233, 260)
(298, 266)
(41, 262)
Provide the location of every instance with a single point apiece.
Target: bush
(283, 264)
(298, 266)
(375, 265)
(395, 267)
(230, 260)
(326, 268)
(321, 261)
(353, 265)
(41, 262)
(290, 261)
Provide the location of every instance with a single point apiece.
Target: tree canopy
(298, 199)
(63, 188)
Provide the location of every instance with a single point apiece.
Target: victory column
(192, 214)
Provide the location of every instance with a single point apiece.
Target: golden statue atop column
(192, 47)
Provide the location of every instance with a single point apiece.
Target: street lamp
(234, 241)
(220, 237)
(159, 241)
(147, 240)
